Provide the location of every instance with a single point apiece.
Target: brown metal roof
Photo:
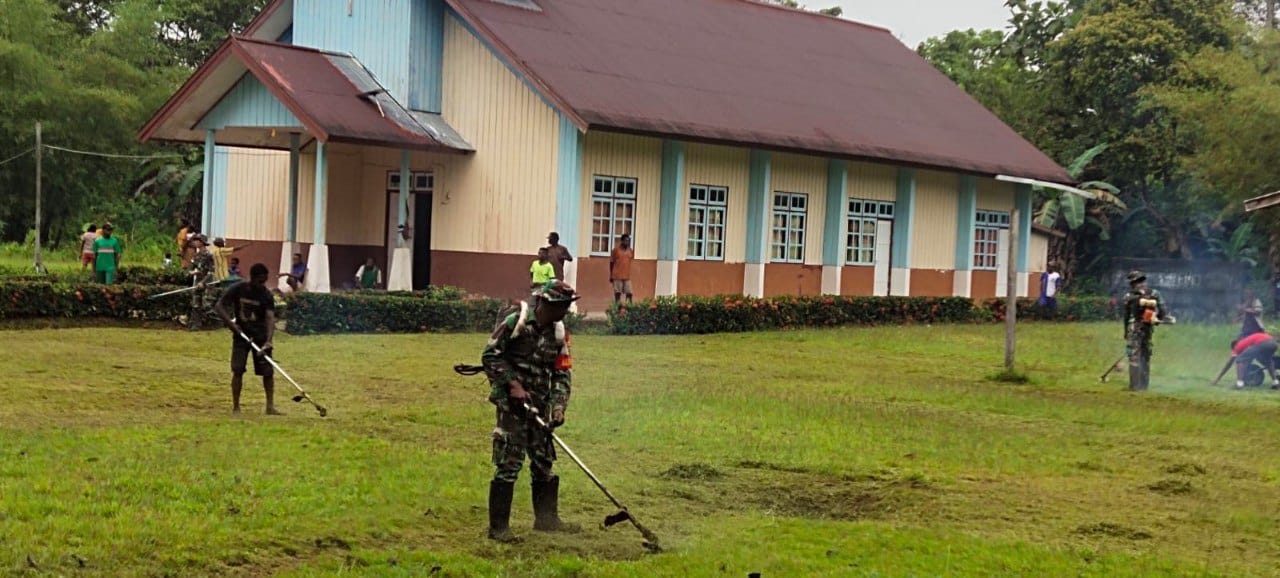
(740, 72)
(334, 96)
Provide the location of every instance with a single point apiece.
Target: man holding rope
(250, 308)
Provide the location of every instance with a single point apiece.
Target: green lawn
(858, 452)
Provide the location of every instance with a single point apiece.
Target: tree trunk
(1271, 14)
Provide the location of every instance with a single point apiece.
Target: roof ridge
(289, 46)
(858, 23)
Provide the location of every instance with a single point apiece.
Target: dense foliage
(312, 313)
(42, 299)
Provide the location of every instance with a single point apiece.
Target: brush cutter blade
(298, 398)
(323, 412)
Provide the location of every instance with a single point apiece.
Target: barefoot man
(249, 307)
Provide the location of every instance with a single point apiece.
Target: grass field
(858, 452)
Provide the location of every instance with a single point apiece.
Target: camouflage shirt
(537, 357)
(203, 264)
(1133, 309)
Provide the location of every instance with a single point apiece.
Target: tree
(1080, 220)
(193, 29)
(832, 11)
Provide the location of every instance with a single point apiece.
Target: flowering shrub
(1069, 309)
(35, 299)
(735, 313)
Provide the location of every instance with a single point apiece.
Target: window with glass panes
(707, 208)
(986, 238)
(790, 216)
(863, 220)
(613, 212)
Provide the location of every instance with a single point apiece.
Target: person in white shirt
(1050, 282)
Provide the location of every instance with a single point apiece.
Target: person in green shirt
(106, 251)
(368, 276)
(542, 270)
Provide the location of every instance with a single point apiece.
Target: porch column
(833, 230)
(1022, 200)
(569, 196)
(290, 244)
(206, 204)
(966, 208)
(758, 186)
(401, 278)
(903, 230)
(669, 217)
(318, 261)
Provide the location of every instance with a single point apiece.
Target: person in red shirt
(1256, 347)
(620, 269)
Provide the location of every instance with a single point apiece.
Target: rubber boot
(500, 511)
(546, 508)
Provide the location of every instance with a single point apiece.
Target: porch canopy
(250, 85)
(259, 94)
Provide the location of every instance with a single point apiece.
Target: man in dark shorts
(249, 307)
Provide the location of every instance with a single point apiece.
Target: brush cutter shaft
(174, 292)
(283, 373)
(1225, 368)
(1114, 366)
(578, 461)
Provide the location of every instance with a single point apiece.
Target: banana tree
(1075, 215)
(1238, 248)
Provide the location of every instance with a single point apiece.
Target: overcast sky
(912, 21)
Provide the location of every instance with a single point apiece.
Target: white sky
(912, 21)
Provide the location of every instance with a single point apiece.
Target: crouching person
(1258, 347)
(528, 365)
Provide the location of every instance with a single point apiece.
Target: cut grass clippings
(852, 452)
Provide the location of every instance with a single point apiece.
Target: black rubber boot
(500, 512)
(546, 508)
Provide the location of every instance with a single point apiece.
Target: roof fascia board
(181, 96)
(264, 16)
(510, 59)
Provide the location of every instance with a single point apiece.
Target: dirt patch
(753, 465)
(1110, 530)
(840, 502)
(702, 472)
(1186, 469)
(1172, 487)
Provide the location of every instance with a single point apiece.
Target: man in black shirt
(249, 307)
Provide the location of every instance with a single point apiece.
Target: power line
(111, 155)
(17, 156)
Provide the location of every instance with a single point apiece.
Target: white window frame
(862, 220)
(419, 181)
(986, 238)
(787, 238)
(706, 202)
(609, 194)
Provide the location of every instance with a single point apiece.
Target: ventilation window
(526, 4)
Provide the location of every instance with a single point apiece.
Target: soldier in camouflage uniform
(527, 362)
(1144, 308)
(201, 272)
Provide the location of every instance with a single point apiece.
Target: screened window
(707, 208)
(986, 238)
(613, 212)
(790, 216)
(420, 181)
(863, 220)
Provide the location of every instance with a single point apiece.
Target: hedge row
(434, 293)
(735, 313)
(312, 313)
(28, 300)
(135, 275)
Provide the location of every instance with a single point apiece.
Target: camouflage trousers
(513, 438)
(1138, 348)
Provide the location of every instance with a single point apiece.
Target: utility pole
(39, 193)
(1011, 294)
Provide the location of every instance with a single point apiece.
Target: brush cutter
(1224, 371)
(174, 292)
(622, 515)
(302, 393)
(1113, 367)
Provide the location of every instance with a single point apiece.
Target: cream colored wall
(619, 155)
(306, 196)
(257, 194)
(873, 182)
(803, 174)
(721, 167)
(1038, 256)
(994, 195)
(501, 199)
(934, 246)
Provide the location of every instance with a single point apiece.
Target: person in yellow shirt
(221, 259)
(182, 235)
(542, 270)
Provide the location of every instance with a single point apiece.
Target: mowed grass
(855, 452)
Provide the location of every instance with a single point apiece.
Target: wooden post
(39, 194)
(1011, 294)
